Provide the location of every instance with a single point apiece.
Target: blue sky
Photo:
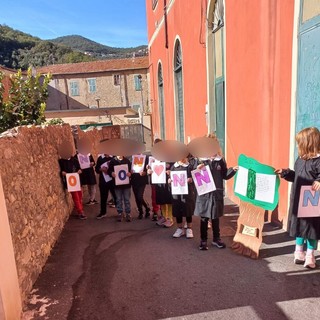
(116, 23)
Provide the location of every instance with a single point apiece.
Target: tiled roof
(97, 66)
(7, 70)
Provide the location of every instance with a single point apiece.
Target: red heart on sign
(158, 169)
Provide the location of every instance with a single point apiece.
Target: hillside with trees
(21, 50)
(97, 50)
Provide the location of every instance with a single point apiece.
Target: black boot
(147, 213)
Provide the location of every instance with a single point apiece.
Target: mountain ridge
(88, 46)
(21, 50)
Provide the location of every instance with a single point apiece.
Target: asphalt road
(105, 270)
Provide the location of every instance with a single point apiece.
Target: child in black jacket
(123, 191)
(106, 183)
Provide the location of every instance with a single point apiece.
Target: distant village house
(98, 91)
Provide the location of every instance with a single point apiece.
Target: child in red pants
(72, 165)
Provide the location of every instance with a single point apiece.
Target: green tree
(26, 103)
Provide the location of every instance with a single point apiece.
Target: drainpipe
(165, 23)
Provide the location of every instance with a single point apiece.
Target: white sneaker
(189, 234)
(299, 257)
(310, 261)
(179, 233)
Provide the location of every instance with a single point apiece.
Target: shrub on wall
(55, 121)
(26, 103)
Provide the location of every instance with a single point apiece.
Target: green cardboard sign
(257, 183)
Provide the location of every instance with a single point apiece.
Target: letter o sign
(122, 175)
(72, 181)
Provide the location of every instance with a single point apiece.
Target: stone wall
(108, 94)
(37, 204)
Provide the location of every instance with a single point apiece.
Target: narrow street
(104, 269)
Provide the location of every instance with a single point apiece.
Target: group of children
(165, 205)
(209, 206)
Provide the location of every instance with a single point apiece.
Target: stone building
(100, 89)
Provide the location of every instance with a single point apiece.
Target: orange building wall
(258, 83)
(185, 21)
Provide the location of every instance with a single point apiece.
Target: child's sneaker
(161, 221)
(147, 215)
(299, 257)
(179, 233)
(95, 201)
(101, 215)
(203, 245)
(168, 223)
(189, 233)
(111, 204)
(218, 243)
(89, 203)
(82, 217)
(310, 261)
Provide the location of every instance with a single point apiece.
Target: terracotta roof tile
(7, 70)
(97, 66)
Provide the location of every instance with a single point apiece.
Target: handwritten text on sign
(309, 203)
(121, 174)
(203, 180)
(84, 160)
(158, 172)
(179, 184)
(138, 162)
(73, 182)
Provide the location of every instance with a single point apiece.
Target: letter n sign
(203, 180)
(179, 183)
(309, 203)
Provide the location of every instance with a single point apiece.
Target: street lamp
(98, 105)
(98, 102)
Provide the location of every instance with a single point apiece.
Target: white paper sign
(203, 180)
(84, 160)
(73, 182)
(158, 172)
(106, 177)
(151, 161)
(121, 174)
(242, 181)
(265, 187)
(179, 183)
(138, 162)
(309, 203)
